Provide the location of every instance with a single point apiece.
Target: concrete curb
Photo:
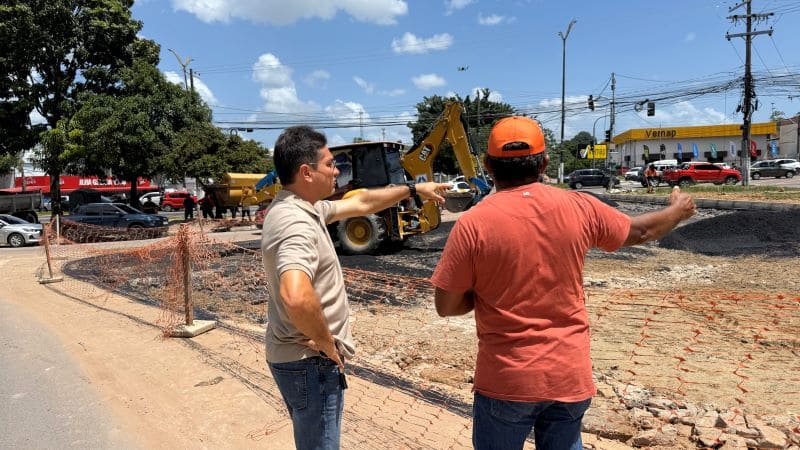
(707, 203)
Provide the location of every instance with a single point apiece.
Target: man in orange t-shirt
(517, 259)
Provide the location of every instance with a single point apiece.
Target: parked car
(115, 215)
(17, 232)
(770, 169)
(154, 197)
(634, 174)
(789, 164)
(173, 201)
(47, 202)
(591, 177)
(690, 173)
(459, 187)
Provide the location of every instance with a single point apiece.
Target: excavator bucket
(458, 202)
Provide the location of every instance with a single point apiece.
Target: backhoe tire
(361, 235)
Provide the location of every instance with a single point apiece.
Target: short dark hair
(512, 172)
(296, 146)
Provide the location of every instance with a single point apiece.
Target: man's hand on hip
(329, 350)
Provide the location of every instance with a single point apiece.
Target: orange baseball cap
(516, 136)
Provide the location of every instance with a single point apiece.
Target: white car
(155, 197)
(459, 187)
(17, 232)
(787, 163)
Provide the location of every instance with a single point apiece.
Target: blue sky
(349, 62)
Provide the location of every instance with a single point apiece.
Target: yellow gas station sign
(598, 152)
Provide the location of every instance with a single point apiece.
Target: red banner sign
(70, 183)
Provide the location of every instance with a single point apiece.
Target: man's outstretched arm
(655, 225)
(374, 200)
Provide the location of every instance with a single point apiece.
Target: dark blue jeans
(504, 425)
(315, 399)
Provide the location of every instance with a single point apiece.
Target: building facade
(707, 143)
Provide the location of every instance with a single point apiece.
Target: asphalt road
(47, 403)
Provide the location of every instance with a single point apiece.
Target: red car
(690, 173)
(173, 201)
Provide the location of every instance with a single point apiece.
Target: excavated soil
(706, 319)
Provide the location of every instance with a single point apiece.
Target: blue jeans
(504, 425)
(315, 399)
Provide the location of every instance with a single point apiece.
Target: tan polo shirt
(295, 237)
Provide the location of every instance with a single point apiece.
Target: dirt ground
(706, 318)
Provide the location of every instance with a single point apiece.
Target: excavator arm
(450, 127)
(418, 162)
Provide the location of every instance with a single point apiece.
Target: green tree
(205, 153)
(128, 131)
(54, 50)
(777, 115)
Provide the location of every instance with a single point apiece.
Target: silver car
(17, 232)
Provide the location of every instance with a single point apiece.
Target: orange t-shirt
(522, 251)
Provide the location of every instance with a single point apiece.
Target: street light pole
(183, 65)
(563, 37)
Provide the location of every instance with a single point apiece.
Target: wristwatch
(412, 188)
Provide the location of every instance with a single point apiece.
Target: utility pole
(612, 114)
(478, 122)
(361, 125)
(749, 91)
(191, 80)
(563, 37)
(184, 65)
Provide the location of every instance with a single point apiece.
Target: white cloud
(318, 78)
(428, 81)
(685, 113)
(689, 37)
(199, 86)
(347, 112)
(369, 88)
(567, 100)
(278, 88)
(491, 20)
(414, 45)
(394, 92)
(454, 5)
(494, 96)
(352, 114)
(337, 139)
(279, 12)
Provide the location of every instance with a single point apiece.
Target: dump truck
(21, 204)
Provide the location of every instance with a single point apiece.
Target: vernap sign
(660, 133)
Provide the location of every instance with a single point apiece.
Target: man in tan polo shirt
(308, 334)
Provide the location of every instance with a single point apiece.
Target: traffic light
(591, 103)
(608, 135)
(651, 108)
